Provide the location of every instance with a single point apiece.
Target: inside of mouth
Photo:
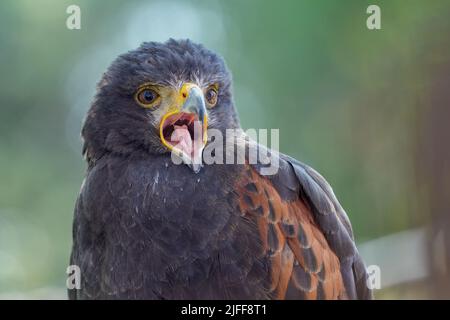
(179, 132)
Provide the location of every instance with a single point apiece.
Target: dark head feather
(116, 124)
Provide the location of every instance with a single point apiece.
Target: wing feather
(305, 233)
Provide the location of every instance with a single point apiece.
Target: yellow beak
(190, 111)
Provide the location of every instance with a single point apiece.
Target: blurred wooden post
(434, 170)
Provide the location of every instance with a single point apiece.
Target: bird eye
(211, 96)
(147, 97)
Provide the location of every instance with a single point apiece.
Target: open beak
(184, 130)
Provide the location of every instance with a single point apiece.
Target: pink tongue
(182, 137)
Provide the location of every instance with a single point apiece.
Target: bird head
(159, 99)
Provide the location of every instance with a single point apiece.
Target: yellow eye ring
(147, 97)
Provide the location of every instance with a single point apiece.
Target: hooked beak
(184, 131)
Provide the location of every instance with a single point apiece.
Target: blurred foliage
(346, 101)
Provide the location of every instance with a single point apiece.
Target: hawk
(146, 227)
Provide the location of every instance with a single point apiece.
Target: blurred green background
(349, 101)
